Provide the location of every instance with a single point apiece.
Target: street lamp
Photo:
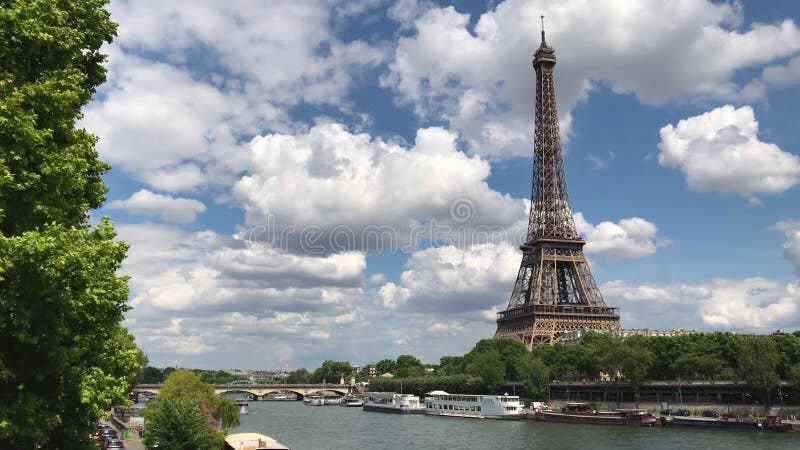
(781, 395)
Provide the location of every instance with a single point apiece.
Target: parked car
(113, 444)
(108, 433)
(710, 413)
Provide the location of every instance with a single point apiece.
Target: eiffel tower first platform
(555, 292)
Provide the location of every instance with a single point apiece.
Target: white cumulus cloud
(631, 238)
(171, 209)
(361, 192)
(479, 77)
(178, 122)
(745, 305)
(455, 281)
(720, 151)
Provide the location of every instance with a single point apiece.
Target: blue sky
(259, 149)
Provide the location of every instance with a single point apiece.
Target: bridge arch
(148, 391)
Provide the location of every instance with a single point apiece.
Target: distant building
(367, 370)
(574, 337)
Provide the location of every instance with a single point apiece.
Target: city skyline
(247, 141)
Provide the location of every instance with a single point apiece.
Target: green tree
(187, 385)
(488, 365)
(758, 360)
(385, 366)
(299, 376)
(700, 365)
(788, 346)
(534, 375)
(508, 349)
(635, 361)
(794, 377)
(332, 371)
(63, 356)
(179, 424)
(451, 365)
(50, 65)
(408, 366)
(60, 363)
(152, 375)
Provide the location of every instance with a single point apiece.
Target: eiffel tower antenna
(542, 28)
(555, 291)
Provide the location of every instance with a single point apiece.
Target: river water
(303, 427)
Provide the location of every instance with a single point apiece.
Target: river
(303, 427)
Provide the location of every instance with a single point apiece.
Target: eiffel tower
(555, 292)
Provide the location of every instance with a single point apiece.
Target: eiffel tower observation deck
(555, 291)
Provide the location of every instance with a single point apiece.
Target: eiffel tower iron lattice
(555, 291)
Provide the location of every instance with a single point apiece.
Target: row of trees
(64, 357)
(761, 361)
(333, 371)
(485, 368)
(154, 375)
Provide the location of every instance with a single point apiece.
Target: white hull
(393, 403)
(440, 403)
(315, 401)
(472, 415)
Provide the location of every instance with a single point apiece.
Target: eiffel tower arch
(555, 291)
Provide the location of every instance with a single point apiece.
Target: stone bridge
(258, 391)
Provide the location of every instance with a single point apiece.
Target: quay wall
(744, 410)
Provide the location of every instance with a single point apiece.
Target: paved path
(134, 443)
(131, 443)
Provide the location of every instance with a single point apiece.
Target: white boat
(351, 401)
(242, 403)
(393, 402)
(315, 400)
(252, 441)
(440, 403)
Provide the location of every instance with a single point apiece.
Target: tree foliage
(451, 365)
(63, 356)
(50, 65)
(758, 361)
(385, 366)
(184, 384)
(179, 424)
(461, 383)
(299, 376)
(488, 366)
(534, 375)
(408, 366)
(332, 371)
(509, 350)
(152, 375)
(794, 377)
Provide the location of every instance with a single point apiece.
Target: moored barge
(583, 413)
(771, 423)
